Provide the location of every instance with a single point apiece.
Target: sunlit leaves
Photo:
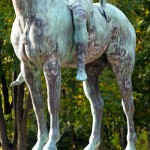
(75, 114)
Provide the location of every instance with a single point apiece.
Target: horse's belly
(95, 51)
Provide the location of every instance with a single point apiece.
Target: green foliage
(143, 140)
(75, 114)
(6, 51)
(112, 119)
(32, 130)
(74, 107)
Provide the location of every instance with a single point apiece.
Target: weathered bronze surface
(43, 39)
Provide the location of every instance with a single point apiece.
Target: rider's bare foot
(81, 74)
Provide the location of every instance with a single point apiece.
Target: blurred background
(17, 118)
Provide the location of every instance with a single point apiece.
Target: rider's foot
(81, 74)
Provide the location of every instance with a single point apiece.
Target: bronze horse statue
(42, 40)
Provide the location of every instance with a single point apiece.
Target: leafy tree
(12, 106)
(76, 120)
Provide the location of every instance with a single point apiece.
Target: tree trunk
(7, 106)
(15, 91)
(123, 134)
(19, 115)
(3, 136)
(22, 115)
(73, 138)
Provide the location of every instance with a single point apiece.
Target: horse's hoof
(130, 146)
(81, 75)
(15, 83)
(89, 147)
(40, 143)
(93, 144)
(50, 147)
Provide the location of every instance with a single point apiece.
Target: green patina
(50, 34)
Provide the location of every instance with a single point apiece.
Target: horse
(42, 38)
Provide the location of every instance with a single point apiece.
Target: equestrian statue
(50, 34)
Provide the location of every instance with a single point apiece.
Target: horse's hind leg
(52, 75)
(32, 78)
(122, 64)
(91, 89)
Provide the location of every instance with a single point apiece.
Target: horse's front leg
(91, 89)
(52, 75)
(32, 78)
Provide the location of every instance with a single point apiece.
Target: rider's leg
(80, 37)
